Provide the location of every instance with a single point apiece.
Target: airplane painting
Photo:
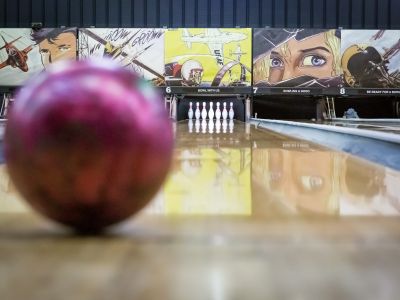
(208, 57)
(16, 58)
(138, 49)
(215, 40)
(25, 52)
(238, 52)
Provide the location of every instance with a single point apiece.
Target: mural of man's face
(310, 56)
(62, 47)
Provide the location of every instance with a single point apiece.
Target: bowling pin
(197, 126)
(211, 126)
(231, 112)
(224, 112)
(197, 112)
(218, 126)
(204, 112)
(190, 125)
(204, 126)
(218, 112)
(190, 112)
(211, 112)
(224, 125)
(231, 126)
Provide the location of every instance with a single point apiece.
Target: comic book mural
(25, 52)
(370, 58)
(208, 57)
(296, 58)
(139, 49)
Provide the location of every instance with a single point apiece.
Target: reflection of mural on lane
(370, 58)
(25, 52)
(139, 49)
(208, 57)
(296, 58)
(10, 199)
(368, 189)
(296, 179)
(209, 181)
(292, 181)
(311, 183)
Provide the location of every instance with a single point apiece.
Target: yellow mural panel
(208, 57)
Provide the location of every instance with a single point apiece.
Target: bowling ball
(87, 144)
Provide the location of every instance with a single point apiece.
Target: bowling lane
(389, 126)
(379, 146)
(238, 200)
(262, 173)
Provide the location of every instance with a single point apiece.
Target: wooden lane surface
(300, 233)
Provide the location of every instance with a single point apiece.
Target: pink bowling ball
(88, 144)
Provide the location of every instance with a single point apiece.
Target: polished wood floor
(245, 214)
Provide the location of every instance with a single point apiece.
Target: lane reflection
(10, 200)
(258, 173)
(209, 181)
(295, 180)
(298, 178)
(368, 190)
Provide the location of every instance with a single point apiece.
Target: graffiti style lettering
(94, 48)
(146, 37)
(116, 34)
(120, 34)
(112, 36)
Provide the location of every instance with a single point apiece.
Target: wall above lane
(354, 14)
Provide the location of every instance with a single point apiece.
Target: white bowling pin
(204, 126)
(204, 112)
(190, 112)
(211, 112)
(218, 112)
(190, 125)
(231, 126)
(211, 126)
(224, 125)
(197, 112)
(224, 112)
(197, 125)
(231, 112)
(218, 126)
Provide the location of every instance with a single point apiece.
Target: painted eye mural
(25, 52)
(370, 58)
(296, 58)
(208, 57)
